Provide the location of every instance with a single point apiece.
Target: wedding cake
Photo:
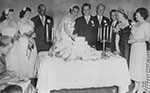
(78, 50)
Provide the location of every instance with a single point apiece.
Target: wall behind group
(56, 8)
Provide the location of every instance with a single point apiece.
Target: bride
(64, 32)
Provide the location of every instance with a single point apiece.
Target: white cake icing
(79, 49)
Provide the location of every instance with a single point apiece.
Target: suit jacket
(40, 30)
(82, 28)
(104, 21)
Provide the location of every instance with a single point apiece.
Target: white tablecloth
(55, 73)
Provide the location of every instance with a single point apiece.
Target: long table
(55, 73)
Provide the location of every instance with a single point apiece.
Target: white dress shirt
(42, 19)
(87, 18)
(99, 18)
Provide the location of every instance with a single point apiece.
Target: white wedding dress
(12, 59)
(63, 38)
(27, 56)
(69, 23)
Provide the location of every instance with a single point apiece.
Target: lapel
(90, 19)
(45, 20)
(39, 20)
(97, 20)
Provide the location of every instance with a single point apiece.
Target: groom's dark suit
(40, 30)
(82, 28)
(101, 24)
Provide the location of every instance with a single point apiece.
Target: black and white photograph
(74, 46)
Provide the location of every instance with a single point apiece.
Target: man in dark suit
(84, 25)
(43, 29)
(102, 24)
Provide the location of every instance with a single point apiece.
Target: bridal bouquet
(30, 35)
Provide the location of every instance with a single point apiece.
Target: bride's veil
(59, 26)
(60, 23)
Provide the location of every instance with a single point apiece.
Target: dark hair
(143, 12)
(23, 11)
(12, 89)
(101, 5)
(85, 4)
(123, 13)
(4, 41)
(39, 6)
(113, 10)
(73, 7)
(4, 14)
(134, 18)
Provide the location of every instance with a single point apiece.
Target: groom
(84, 25)
(43, 29)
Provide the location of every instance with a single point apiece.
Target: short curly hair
(23, 11)
(143, 12)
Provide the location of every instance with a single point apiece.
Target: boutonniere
(92, 23)
(48, 21)
(105, 22)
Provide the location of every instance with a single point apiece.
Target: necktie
(43, 21)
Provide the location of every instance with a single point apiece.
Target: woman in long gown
(9, 27)
(64, 31)
(124, 33)
(27, 49)
(140, 34)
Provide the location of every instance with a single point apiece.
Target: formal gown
(27, 55)
(123, 42)
(12, 59)
(138, 53)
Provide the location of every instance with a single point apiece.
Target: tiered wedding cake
(79, 49)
